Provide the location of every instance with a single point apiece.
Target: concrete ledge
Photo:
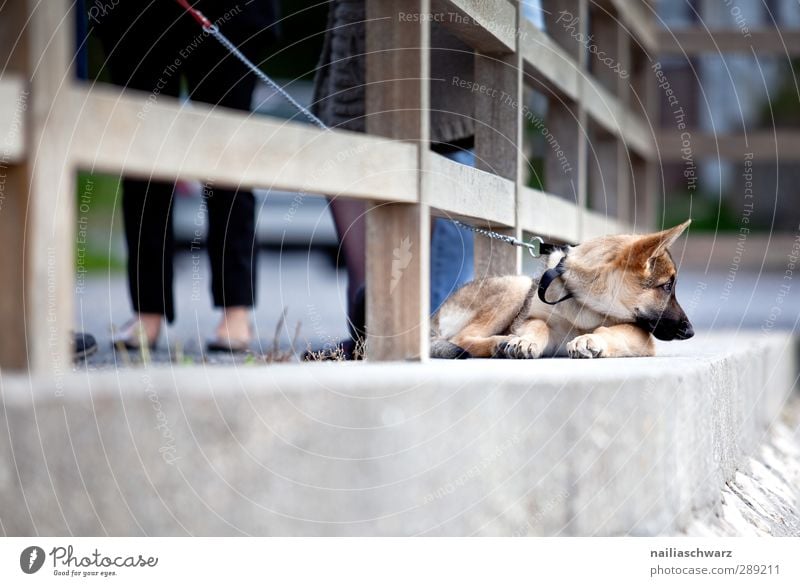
(608, 447)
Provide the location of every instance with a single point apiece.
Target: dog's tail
(441, 348)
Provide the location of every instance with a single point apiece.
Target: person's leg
(138, 52)
(218, 78)
(146, 208)
(81, 41)
(452, 250)
(350, 221)
(452, 253)
(232, 250)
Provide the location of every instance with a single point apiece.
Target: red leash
(210, 28)
(196, 14)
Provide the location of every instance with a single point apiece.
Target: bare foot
(235, 324)
(142, 327)
(151, 324)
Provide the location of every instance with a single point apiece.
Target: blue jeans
(452, 250)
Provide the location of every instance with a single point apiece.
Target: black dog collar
(547, 279)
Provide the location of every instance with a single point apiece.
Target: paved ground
(312, 290)
(746, 300)
(307, 285)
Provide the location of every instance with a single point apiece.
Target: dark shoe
(83, 345)
(357, 320)
(351, 348)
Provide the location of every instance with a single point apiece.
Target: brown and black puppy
(621, 293)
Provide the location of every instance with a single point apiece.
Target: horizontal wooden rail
(549, 216)
(128, 132)
(469, 193)
(546, 61)
(595, 224)
(695, 41)
(559, 219)
(487, 27)
(762, 145)
(543, 58)
(12, 117)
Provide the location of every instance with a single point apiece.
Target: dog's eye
(667, 286)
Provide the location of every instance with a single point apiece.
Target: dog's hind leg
(528, 339)
(444, 349)
(478, 342)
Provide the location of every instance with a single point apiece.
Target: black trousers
(154, 47)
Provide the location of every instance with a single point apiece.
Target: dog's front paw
(519, 348)
(587, 346)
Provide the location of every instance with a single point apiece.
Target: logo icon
(402, 258)
(31, 559)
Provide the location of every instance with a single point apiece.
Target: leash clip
(534, 246)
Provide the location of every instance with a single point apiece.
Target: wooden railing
(601, 121)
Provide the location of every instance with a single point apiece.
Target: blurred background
(737, 265)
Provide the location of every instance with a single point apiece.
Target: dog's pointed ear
(652, 245)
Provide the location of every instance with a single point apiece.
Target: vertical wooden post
(398, 235)
(567, 120)
(39, 215)
(498, 140)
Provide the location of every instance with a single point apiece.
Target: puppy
(605, 298)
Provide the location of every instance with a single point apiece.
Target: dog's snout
(665, 328)
(686, 331)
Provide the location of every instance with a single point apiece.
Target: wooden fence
(56, 125)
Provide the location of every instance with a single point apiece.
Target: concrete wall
(448, 448)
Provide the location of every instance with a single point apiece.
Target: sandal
(232, 345)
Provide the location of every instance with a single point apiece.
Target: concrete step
(487, 447)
